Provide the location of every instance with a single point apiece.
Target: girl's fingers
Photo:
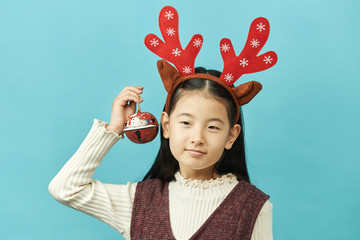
(124, 102)
(136, 89)
(129, 94)
(134, 98)
(123, 98)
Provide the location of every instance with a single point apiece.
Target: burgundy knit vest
(234, 218)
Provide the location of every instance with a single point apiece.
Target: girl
(198, 186)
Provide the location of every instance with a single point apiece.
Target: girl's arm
(263, 225)
(74, 186)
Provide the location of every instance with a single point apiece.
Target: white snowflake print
(176, 52)
(225, 47)
(170, 31)
(255, 43)
(187, 70)
(154, 42)
(169, 15)
(260, 27)
(197, 42)
(228, 77)
(268, 59)
(244, 62)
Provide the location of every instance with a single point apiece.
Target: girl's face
(198, 129)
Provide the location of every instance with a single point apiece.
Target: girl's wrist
(119, 131)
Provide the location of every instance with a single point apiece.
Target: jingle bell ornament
(141, 127)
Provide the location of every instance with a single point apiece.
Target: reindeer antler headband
(234, 66)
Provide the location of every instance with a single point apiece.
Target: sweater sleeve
(263, 225)
(73, 186)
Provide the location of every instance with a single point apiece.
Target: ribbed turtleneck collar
(188, 182)
(220, 186)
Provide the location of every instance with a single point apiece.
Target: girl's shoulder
(252, 190)
(154, 186)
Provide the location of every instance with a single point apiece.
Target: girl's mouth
(195, 152)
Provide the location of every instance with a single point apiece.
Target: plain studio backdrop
(63, 62)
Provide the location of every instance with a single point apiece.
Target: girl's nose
(198, 137)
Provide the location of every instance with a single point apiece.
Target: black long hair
(232, 160)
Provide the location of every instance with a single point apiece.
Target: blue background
(63, 62)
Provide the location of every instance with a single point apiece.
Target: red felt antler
(247, 61)
(171, 49)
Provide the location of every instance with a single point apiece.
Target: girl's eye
(214, 128)
(185, 123)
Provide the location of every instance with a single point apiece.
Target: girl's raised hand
(124, 105)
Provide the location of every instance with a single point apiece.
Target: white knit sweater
(191, 201)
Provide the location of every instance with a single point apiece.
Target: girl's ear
(233, 134)
(165, 124)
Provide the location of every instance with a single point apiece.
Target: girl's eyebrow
(216, 120)
(209, 120)
(185, 114)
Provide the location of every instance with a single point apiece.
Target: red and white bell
(141, 127)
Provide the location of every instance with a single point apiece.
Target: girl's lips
(195, 152)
